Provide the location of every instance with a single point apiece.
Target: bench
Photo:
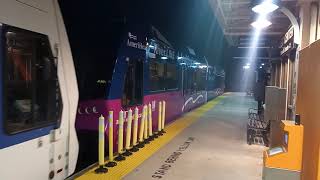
(257, 128)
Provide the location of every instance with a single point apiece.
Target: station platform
(207, 143)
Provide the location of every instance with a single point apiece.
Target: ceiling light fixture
(261, 23)
(265, 7)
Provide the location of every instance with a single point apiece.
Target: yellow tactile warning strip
(125, 167)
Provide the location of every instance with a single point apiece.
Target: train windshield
(31, 85)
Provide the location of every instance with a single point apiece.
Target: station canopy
(236, 16)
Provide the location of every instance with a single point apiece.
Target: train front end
(38, 93)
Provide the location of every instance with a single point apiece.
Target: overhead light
(265, 7)
(260, 67)
(164, 57)
(246, 67)
(180, 57)
(196, 63)
(261, 23)
(151, 46)
(204, 66)
(262, 64)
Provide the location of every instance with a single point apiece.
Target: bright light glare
(246, 67)
(260, 67)
(261, 23)
(196, 63)
(248, 64)
(204, 66)
(182, 63)
(164, 57)
(262, 64)
(180, 58)
(265, 8)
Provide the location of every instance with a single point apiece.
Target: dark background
(183, 22)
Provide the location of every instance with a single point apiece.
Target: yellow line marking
(132, 162)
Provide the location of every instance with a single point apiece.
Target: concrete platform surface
(213, 148)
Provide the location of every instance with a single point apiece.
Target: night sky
(183, 22)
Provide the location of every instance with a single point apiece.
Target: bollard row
(141, 135)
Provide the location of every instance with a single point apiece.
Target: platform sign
(287, 42)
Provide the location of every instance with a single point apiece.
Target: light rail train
(144, 69)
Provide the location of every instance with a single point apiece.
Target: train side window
(200, 79)
(133, 87)
(156, 75)
(193, 82)
(32, 91)
(188, 80)
(172, 76)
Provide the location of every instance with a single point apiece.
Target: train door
(188, 87)
(182, 79)
(133, 86)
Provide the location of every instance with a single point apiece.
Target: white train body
(47, 151)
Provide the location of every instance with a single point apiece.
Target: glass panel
(139, 81)
(47, 90)
(133, 88)
(32, 89)
(157, 76)
(200, 79)
(19, 81)
(172, 79)
(189, 82)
